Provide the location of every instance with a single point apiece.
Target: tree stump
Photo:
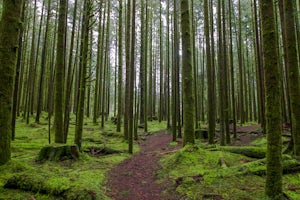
(58, 152)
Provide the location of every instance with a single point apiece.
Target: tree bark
(187, 75)
(273, 93)
(9, 37)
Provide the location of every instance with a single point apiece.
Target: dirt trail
(135, 178)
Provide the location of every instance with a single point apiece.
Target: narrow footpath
(135, 178)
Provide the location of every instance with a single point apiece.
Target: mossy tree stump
(58, 152)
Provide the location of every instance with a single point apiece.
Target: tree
(273, 92)
(17, 81)
(120, 71)
(161, 64)
(293, 72)
(131, 75)
(142, 65)
(240, 60)
(211, 118)
(83, 71)
(260, 69)
(59, 73)
(43, 64)
(98, 65)
(127, 88)
(187, 75)
(31, 75)
(9, 37)
(232, 69)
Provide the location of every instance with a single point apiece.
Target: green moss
(75, 179)
(238, 180)
(154, 126)
(253, 152)
(260, 142)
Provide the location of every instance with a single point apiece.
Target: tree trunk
(273, 93)
(187, 75)
(120, 70)
(83, 64)
(59, 73)
(293, 72)
(9, 37)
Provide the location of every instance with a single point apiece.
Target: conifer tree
(273, 91)
(9, 37)
(187, 75)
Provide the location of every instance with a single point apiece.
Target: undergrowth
(67, 179)
(205, 171)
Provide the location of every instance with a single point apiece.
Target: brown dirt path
(135, 178)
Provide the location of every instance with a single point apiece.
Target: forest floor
(159, 169)
(136, 177)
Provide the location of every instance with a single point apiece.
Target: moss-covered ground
(69, 179)
(197, 172)
(206, 171)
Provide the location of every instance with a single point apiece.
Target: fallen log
(258, 167)
(252, 152)
(38, 183)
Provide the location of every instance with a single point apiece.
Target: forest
(150, 99)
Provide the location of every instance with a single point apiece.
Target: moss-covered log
(58, 153)
(39, 183)
(252, 152)
(259, 167)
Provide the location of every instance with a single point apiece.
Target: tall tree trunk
(187, 75)
(240, 59)
(211, 119)
(131, 86)
(273, 101)
(232, 69)
(161, 64)
(127, 89)
(9, 37)
(17, 81)
(83, 64)
(31, 75)
(98, 68)
(43, 64)
(168, 67)
(120, 67)
(260, 70)
(105, 66)
(70, 75)
(59, 73)
(293, 71)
